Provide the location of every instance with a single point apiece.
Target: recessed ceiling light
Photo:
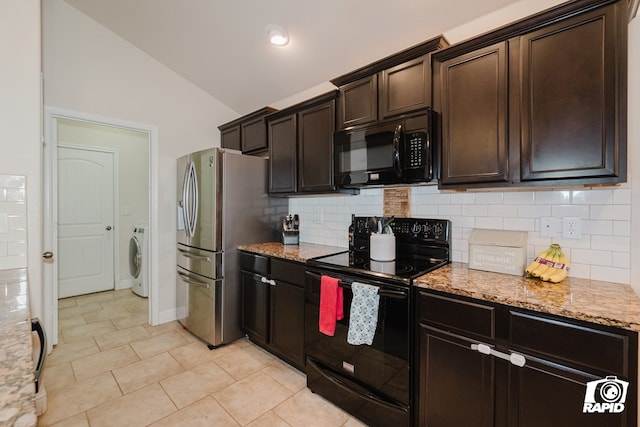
(277, 35)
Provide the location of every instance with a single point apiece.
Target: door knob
(47, 255)
(108, 227)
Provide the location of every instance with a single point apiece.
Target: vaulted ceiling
(221, 45)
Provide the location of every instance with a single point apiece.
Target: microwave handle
(397, 137)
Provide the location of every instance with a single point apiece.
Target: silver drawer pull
(265, 280)
(194, 256)
(193, 282)
(515, 358)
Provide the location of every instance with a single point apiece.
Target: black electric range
(422, 245)
(371, 382)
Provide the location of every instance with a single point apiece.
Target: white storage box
(501, 251)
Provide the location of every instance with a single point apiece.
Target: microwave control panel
(417, 151)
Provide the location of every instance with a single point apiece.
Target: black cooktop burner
(401, 269)
(422, 246)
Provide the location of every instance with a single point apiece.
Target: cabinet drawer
(456, 314)
(255, 263)
(568, 342)
(291, 272)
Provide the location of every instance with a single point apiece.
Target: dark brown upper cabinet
(473, 112)
(301, 147)
(538, 102)
(395, 85)
(247, 133)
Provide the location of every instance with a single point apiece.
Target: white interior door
(85, 221)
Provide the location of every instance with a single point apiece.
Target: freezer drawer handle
(515, 358)
(190, 254)
(193, 282)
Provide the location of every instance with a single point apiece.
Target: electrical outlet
(571, 228)
(550, 227)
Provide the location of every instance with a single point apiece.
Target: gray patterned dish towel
(364, 314)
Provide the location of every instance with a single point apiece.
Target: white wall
(132, 151)
(89, 69)
(20, 124)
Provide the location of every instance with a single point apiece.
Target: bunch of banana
(551, 265)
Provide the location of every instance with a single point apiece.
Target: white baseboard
(167, 316)
(125, 284)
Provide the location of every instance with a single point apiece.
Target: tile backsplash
(13, 222)
(602, 253)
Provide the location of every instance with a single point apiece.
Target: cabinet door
(282, 154)
(315, 140)
(456, 382)
(254, 135)
(287, 322)
(473, 104)
(572, 102)
(359, 102)
(255, 307)
(547, 394)
(231, 138)
(405, 87)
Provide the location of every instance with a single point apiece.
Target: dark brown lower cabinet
(255, 307)
(273, 305)
(546, 394)
(287, 322)
(464, 395)
(485, 364)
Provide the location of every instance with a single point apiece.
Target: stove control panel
(407, 228)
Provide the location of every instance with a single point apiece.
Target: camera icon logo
(607, 395)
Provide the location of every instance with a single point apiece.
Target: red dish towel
(330, 305)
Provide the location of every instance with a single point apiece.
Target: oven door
(369, 155)
(370, 382)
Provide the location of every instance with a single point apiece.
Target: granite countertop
(604, 303)
(17, 390)
(299, 253)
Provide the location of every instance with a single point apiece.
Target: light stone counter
(299, 253)
(17, 389)
(604, 303)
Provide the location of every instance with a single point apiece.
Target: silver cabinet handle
(265, 280)
(189, 254)
(193, 282)
(47, 255)
(515, 358)
(108, 228)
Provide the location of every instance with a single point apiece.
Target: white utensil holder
(382, 247)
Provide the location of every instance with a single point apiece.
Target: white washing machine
(139, 260)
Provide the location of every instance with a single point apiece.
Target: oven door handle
(383, 292)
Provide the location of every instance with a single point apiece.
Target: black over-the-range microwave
(394, 151)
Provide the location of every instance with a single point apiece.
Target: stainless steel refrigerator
(222, 203)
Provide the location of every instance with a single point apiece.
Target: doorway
(133, 148)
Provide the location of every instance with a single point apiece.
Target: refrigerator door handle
(193, 199)
(185, 201)
(192, 281)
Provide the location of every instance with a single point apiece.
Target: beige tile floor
(111, 368)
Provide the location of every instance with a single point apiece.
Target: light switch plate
(550, 227)
(4, 223)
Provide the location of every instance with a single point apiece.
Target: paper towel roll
(382, 247)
